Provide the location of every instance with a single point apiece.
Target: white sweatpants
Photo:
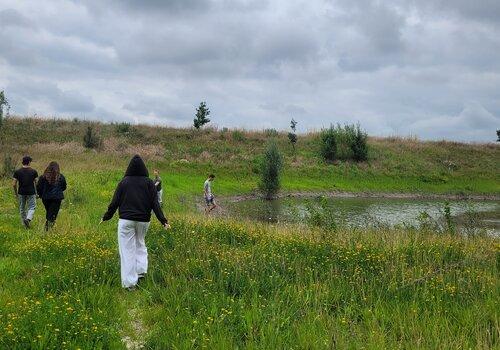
(133, 251)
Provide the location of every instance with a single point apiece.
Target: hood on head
(136, 167)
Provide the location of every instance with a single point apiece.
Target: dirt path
(134, 336)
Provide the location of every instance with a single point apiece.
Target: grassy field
(220, 284)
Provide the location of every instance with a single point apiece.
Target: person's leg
(22, 207)
(127, 248)
(160, 196)
(46, 204)
(212, 204)
(141, 252)
(55, 205)
(31, 204)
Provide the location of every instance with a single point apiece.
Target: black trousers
(52, 207)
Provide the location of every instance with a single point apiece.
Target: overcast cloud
(428, 68)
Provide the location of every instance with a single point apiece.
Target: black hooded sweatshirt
(136, 195)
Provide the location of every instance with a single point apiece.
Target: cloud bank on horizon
(428, 68)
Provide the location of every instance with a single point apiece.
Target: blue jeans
(27, 205)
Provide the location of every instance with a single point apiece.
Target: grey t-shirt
(207, 186)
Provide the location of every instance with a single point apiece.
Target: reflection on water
(360, 211)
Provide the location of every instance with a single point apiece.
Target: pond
(358, 212)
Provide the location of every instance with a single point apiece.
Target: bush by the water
(358, 144)
(328, 148)
(91, 139)
(344, 143)
(271, 166)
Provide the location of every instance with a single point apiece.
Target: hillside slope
(185, 156)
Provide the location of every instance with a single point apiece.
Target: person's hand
(167, 226)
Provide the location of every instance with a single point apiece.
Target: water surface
(360, 212)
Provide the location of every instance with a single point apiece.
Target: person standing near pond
(50, 188)
(134, 197)
(24, 189)
(209, 196)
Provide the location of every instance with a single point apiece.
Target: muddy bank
(342, 194)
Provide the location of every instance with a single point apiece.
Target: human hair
(211, 176)
(27, 160)
(51, 174)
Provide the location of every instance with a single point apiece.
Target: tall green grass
(235, 284)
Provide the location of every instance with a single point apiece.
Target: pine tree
(202, 112)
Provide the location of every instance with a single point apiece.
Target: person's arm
(63, 183)
(115, 202)
(40, 186)
(14, 185)
(157, 209)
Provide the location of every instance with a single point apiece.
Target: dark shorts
(209, 200)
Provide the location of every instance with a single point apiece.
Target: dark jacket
(135, 195)
(51, 191)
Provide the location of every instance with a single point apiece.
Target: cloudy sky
(429, 68)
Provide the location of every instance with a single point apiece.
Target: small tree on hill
(4, 105)
(91, 139)
(498, 135)
(270, 172)
(328, 143)
(202, 113)
(292, 136)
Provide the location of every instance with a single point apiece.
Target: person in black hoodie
(134, 198)
(50, 189)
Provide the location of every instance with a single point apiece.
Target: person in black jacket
(134, 198)
(50, 189)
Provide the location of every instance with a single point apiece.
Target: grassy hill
(185, 156)
(235, 284)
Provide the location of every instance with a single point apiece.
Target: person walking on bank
(135, 197)
(24, 189)
(209, 196)
(50, 188)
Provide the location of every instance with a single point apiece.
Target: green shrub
(321, 216)
(238, 136)
(270, 173)
(8, 167)
(91, 139)
(328, 145)
(344, 143)
(271, 132)
(123, 128)
(358, 144)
